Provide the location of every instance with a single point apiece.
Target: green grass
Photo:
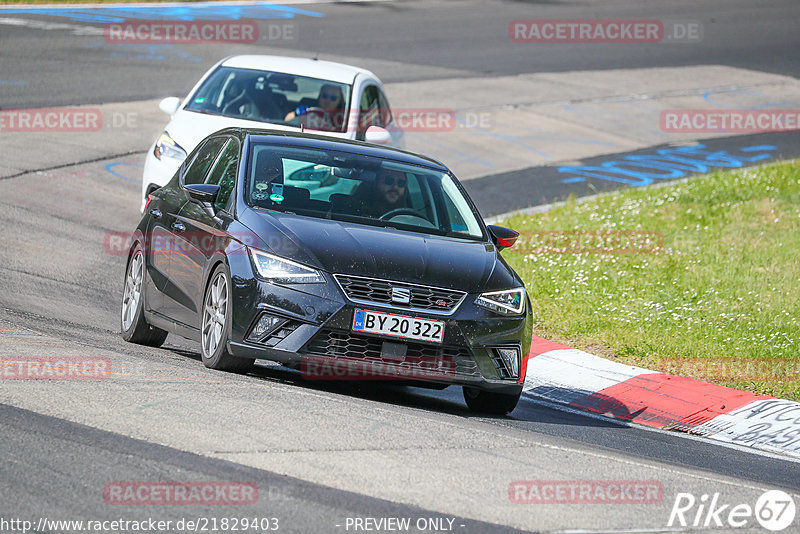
(720, 301)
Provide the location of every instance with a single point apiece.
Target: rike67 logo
(774, 510)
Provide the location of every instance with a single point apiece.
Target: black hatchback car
(345, 260)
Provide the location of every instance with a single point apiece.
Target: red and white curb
(582, 381)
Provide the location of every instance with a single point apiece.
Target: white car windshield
(274, 97)
(358, 188)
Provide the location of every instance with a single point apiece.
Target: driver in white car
(329, 116)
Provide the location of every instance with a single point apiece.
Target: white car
(275, 92)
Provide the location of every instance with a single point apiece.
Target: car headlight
(166, 146)
(281, 270)
(506, 302)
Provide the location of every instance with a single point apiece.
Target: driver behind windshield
(388, 192)
(329, 116)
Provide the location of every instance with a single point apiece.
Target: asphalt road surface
(424, 40)
(321, 455)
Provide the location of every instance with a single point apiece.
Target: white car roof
(313, 68)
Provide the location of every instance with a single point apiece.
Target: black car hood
(378, 252)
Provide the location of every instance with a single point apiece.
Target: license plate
(389, 324)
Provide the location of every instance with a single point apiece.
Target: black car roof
(328, 143)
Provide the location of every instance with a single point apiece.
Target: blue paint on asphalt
(707, 96)
(111, 166)
(666, 164)
(13, 82)
(758, 148)
(185, 12)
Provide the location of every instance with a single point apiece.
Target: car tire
(490, 402)
(215, 324)
(133, 326)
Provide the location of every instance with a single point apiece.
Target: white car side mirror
(378, 135)
(170, 105)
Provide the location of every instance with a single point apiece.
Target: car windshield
(273, 97)
(356, 188)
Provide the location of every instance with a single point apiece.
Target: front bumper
(315, 335)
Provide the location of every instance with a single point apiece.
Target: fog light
(510, 358)
(266, 325)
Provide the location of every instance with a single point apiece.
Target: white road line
(111, 5)
(628, 531)
(540, 401)
(577, 371)
(767, 423)
(75, 29)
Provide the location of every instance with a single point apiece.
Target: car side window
(373, 110)
(386, 111)
(196, 172)
(224, 172)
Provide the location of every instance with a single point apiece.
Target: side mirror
(378, 135)
(204, 193)
(170, 105)
(502, 237)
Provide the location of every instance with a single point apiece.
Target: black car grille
(344, 344)
(423, 298)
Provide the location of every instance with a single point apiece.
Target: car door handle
(178, 226)
(156, 213)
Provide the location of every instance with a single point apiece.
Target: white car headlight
(281, 270)
(506, 302)
(166, 146)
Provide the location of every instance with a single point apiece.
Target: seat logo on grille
(401, 295)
